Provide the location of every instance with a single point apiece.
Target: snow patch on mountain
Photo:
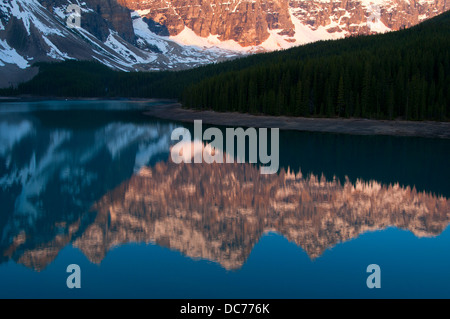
(31, 13)
(275, 41)
(54, 52)
(114, 42)
(180, 51)
(10, 56)
(189, 37)
(145, 36)
(304, 34)
(378, 26)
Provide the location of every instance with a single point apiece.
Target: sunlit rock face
(352, 15)
(220, 211)
(253, 22)
(246, 22)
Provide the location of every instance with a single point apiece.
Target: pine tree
(252, 96)
(365, 93)
(357, 112)
(299, 105)
(280, 105)
(340, 109)
(391, 102)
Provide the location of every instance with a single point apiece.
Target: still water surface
(91, 183)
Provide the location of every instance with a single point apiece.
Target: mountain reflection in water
(97, 175)
(219, 212)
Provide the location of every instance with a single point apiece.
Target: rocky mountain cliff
(282, 23)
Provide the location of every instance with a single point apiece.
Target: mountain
(34, 31)
(148, 35)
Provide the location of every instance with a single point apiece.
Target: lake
(91, 183)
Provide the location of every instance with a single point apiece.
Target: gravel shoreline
(328, 125)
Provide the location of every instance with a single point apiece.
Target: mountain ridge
(132, 35)
(31, 32)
